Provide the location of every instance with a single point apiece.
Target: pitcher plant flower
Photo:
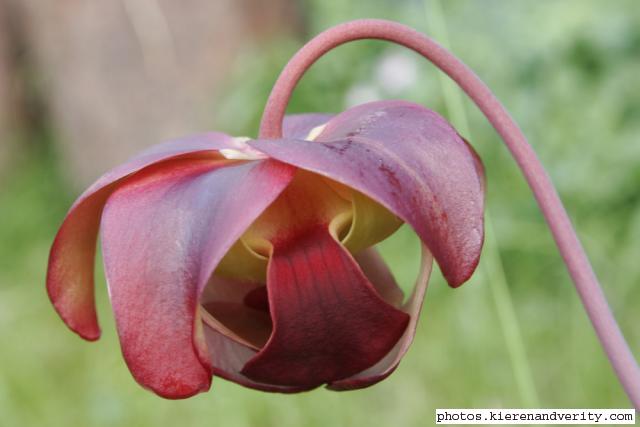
(254, 259)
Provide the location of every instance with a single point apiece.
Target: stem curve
(578, 265)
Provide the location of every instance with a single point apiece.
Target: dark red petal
(229, 357)
(164, 232)
(257, 299)
(386, 366)
(230, 336)
(410, 160)
(70, 271)
(299, 125)
(328, 321)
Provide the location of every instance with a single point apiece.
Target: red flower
(253, 260)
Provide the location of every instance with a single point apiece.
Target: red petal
(328, 321)
(229, 357)
(299, 125)
(164, 232)
(410, 160)
(386, 366)
(70, 271)
(231, 335)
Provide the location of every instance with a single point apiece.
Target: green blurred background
(514, 336)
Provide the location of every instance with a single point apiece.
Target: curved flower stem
(492, 263)
(559, 223)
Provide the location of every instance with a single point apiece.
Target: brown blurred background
(116, 76)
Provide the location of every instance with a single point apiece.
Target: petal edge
(70, 269)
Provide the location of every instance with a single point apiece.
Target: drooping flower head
(254, 260)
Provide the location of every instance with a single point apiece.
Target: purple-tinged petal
(370, 222)
(164, 232)
(328, 321)
(386, 366)
(477, 161)
(71, 260)
(410, 160)
(300, 125)
(376, 270)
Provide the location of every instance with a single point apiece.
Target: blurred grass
(491, 269)
(566, 70)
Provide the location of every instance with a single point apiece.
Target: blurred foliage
(566, 70)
